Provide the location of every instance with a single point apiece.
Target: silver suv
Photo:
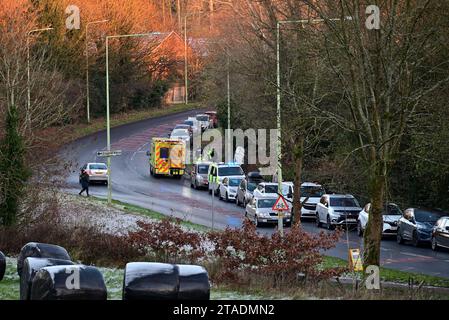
(337, 209)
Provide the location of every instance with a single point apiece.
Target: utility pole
(228, 89)
(108, 122)
(87, 67)
(278, 101)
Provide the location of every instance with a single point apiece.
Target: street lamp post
(278, 101)
(28, 119)
(87, 67)
(108, 122)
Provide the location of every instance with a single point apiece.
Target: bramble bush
(167, 241)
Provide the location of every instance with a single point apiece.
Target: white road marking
(414, 255)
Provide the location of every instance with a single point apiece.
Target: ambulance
(167, 157)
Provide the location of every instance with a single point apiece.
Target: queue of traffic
(229, 183)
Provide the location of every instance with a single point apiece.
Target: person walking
(84, 180)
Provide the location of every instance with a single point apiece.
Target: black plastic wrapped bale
(77, 282)
(2, 265)
(41, 250)
(193, 283)
(30, 267)
(150, 281)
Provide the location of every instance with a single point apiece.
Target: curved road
(133, 184)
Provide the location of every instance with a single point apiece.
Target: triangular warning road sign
(280, 204)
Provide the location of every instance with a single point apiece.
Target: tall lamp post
(278, 100)
(108, 122)
(87, 66)
(28, 119)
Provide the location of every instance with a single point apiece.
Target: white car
(271, 189)
(193, 123)
(311, 194)
(98, 172)
(260, 210)
(337, 210)
(219, 171)
(391, 216)
(182, 134)
(204, 121)
(228, 188)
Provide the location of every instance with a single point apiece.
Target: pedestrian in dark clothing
(84, 180)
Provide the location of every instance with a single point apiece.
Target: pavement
(132, 183)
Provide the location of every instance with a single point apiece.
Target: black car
(416, 225)
(440, 234)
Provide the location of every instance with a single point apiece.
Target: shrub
(243, 252)
(168, 242)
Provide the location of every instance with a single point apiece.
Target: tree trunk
(373, 232)
(298, 158)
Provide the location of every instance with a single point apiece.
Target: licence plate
(351, 220)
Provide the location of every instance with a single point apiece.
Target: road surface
(133, 184)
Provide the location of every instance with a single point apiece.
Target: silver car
(245, 192)
(259, 210)
(98, 172)
(198, 176)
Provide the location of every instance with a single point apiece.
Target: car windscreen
(252, 186)
(266, 203)
(202, 118)
(234, 182)
(312, 192)
(203, 168)
(271, 189)
(274, 189)
(190, 123)
(427, 216)
(182, 126)
(343, 202)
(98, 166)
(392, 210)
(180, 133)
(230, 171)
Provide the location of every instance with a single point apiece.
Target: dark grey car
(416, 225)
(440, 234)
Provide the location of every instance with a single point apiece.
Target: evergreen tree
(13, 169)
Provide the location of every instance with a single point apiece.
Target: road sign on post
(109, 153)
(280, 204)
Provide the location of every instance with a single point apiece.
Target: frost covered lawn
(9, 287)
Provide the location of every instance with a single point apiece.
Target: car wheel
(318, 222)
(415, 239)
(359, 229)
(399, 238)
(329, 224)
(227, 197)
(434, 244)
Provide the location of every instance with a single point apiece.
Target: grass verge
(137, 210)
(80, 130)
(392, 275)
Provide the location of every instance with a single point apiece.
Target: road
(133, 184)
